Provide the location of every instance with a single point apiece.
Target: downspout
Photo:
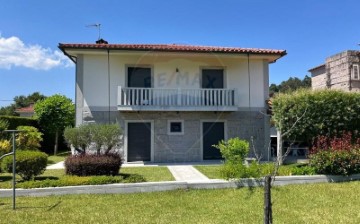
(108, 62)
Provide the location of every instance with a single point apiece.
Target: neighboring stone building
(340, 71)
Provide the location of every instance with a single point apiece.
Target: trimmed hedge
(323, 112)
(89, 165)
(29, 164)
(15, 121)
(76, 181)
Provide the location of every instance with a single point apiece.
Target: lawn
(52, 178)
(58, 158)
(316, 203)
(213, 171)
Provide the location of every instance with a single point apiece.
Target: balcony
(152, 99)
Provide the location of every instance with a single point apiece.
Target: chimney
(101, 41)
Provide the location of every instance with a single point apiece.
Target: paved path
(56, 166)
(186, 173)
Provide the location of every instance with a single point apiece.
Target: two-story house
(340, 71)
(173, 102)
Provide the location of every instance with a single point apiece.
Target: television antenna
(98, 26)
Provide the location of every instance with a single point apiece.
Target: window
(355, 72)
(212, 78)
(139, 77)
(175, 127)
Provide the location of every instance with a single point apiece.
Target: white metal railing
(176, 97)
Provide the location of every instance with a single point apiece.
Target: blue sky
(30, 31)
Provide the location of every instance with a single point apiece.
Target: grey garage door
(213, 132)
(139, 142)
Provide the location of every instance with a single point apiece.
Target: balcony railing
(176, 99)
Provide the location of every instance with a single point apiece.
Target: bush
(337, 155)
(105, 136)
(233, 150)
(336, 162)
(5, 147)
(88, 165)
(79, 138)
(28, 138)
(328, 112)
(14, 122)
(29, 164)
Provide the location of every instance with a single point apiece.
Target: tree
(54, 114)
(21, 101)
(290, 85)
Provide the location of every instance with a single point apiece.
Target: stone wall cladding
(187, 147)
(337, 74)
(338, 69)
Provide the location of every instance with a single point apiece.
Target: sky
(30, 32)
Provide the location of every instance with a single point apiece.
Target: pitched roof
(29, 109)
(173, 48)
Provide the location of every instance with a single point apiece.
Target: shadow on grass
(47, 178)
(132, 178)
(47, 207)
(5, 178)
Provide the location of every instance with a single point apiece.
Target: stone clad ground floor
(184, 136)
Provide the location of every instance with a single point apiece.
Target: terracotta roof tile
(173, 48)
(29, 109)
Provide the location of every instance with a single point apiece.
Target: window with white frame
(355, 72)
(175, 127)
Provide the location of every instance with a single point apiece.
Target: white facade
(237, 73)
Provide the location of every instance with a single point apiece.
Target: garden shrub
(337, 155)
(28, 138)
(336, 162)
(5, 147)
(79, 137)
(88, 165)
(104, 136)
(233, 150)
(327, 112)
(29, 164)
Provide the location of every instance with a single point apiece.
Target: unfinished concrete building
(340, 71)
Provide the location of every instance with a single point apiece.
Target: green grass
(58, 158)
(213, 171)
(53, 178)
(316, 203)
(151, 174)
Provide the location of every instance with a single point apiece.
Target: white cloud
(13, 52)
